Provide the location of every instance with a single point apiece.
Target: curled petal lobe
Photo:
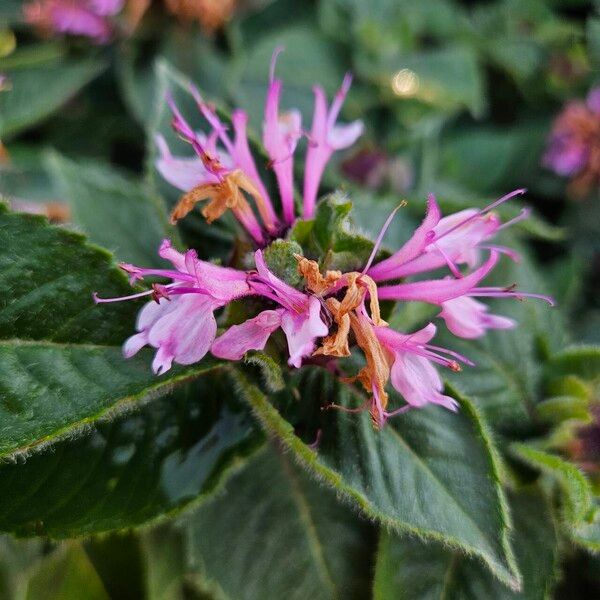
(389, 268)
(344, 136)
(468, 318)
(250, 335)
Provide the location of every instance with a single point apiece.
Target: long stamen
(524, 214)
(456, 355)
(503, 293)
(98, 300)
(382, 232)
(483, 211)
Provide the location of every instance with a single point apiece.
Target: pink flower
(88, 18)
(326, 137)
(225, 167)
(573, 148)
(180, 322)
(412, 373)
(299, 317)
(449, 241)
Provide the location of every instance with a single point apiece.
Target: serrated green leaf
(132, 469)
(61, 363)
(271, 371)
(408, 568)
(113, 210)
(576, 361)
(23, 105)
(310, 546)
(430, 472)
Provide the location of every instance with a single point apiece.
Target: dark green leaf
(410, 569)
(429, 472)
(61, 366)
(132, 469)
(23, 105)
(113, 210)
(577, 493)
(309, 546)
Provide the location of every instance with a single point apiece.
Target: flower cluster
(93, 19)
(225, 174)
(574, 144)
(331, 313)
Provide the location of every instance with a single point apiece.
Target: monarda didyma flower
(88, 18)
(335, 309)
(574, 144)
(224, 173)
(332, 314)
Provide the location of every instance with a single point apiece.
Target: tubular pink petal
(413, 247)
(288, 297)
(438, 290)
(245, 161)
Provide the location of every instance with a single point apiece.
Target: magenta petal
(413, 247)
(250, 335)
(438, 290)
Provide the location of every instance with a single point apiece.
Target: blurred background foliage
(458, 98)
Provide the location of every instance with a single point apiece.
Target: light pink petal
(468, 318)
(343, 136)
(182, 173)
(301, 331)
(187, 331)
(250, 335)
(394, 340)
(163, 360)
(290, 298)
(106, 7)
(134, 344)
(418, 381)
(438, 290)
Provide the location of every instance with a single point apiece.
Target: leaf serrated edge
(120, 407)
(273, 423)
